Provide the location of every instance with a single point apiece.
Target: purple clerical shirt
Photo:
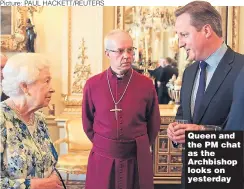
(139, 117)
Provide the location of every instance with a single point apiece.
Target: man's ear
(207, 29)
(24, 87)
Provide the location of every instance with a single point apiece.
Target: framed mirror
(152, 30)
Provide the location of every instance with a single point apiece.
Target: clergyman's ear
(107, 53)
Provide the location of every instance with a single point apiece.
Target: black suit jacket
(236, 116)
(217, 99)
(163, 74)
(166, 73)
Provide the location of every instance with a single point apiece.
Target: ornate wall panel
(83, 55)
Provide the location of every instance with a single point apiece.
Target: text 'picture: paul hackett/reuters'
(53, 3)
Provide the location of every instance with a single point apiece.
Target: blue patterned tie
(201, 88)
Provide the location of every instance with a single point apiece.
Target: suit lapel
(217, 79)
(189, 79)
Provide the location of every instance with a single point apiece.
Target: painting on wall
(13, 28)
(6, 20)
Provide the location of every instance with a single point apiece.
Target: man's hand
(176, 132)
(170, 130)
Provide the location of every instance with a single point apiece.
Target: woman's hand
(51, 182)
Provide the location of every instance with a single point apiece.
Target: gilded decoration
(71, 102)
(77, 78)
(73, 98)
(82, 71)
(233, 23)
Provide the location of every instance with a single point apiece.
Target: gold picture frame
(175, 169)
(15, 40)
(230, 19)
(163, 144)
(162, 169)
(175, 159)
(162, 158)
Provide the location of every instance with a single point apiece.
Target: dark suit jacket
(4, 97)
(217, 99)
(163, 74)
(236, 116)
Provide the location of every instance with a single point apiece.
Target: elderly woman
(28, 156)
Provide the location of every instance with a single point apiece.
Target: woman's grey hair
(110, 35)
(202, 13)
(22, 68)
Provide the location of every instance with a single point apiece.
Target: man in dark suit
(207, 85)
(235, 118)
(3, 63)
(162, 75)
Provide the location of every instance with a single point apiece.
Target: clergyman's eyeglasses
(121, 51)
